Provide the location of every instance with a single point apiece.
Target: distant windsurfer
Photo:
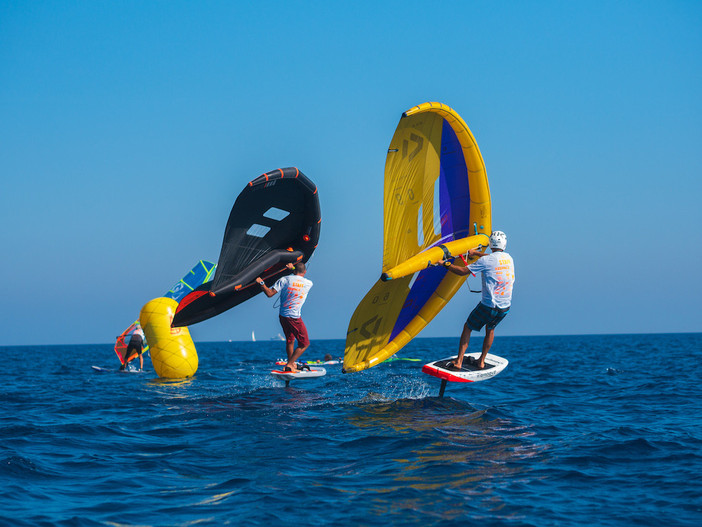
(497, 270)
(293, 291)
(136, 345)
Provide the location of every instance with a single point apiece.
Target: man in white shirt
(497, 270)
(293, 293)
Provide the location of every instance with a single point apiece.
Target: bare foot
(476, 364)
(480, 365)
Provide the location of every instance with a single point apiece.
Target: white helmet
(498, 240)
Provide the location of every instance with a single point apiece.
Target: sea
(577, 430)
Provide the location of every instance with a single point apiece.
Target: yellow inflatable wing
(437, 206)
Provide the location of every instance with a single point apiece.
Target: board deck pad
(303, 374)
(469, 371)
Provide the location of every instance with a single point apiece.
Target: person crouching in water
(497, 271)
(293, 291)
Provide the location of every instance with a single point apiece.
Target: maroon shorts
(294, 328)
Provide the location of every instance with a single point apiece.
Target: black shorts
(136, 343)
(486, 316)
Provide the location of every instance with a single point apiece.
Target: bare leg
(487, 342)
(296, 355)
(289, 349)
(293, 356)
(462, 346)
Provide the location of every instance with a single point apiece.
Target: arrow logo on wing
(405, 146)
(366, 332)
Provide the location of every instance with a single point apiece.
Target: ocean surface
(578, 430)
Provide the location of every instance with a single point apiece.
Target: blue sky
(127, 129)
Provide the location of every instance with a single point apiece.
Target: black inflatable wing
(275, 221)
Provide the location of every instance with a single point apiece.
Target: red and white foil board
(469, 371)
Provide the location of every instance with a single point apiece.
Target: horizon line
(269, 340)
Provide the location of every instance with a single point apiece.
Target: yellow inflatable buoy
(173, 352)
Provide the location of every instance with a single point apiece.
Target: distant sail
(437, 206)
(275, 220)
(253, 337)
(199, 274)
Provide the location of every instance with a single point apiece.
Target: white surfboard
(469, 371)
(302, 374)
